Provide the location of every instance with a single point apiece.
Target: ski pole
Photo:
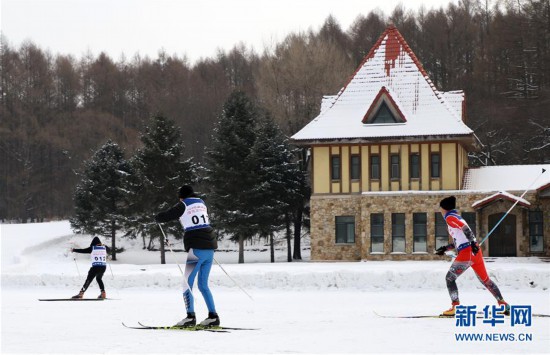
(514, 205)
(77, 270)
(175, 259)
(170, 247)
(113, 278)
(235, 282)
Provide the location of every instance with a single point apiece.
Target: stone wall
(324, 209)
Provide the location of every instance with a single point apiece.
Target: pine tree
(100, 197)
(161, 170)
(230, 169)
(276, 181)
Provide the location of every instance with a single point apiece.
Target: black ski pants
(97, 273)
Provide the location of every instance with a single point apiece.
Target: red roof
(393, 47)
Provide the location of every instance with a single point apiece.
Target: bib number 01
(196, 220)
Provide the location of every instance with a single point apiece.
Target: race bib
(99, 256)
(195, 215)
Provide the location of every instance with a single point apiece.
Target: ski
(479, 315)
(413, 316)
(71, 299)
(215, 327)
(199, 327)
(171, 327)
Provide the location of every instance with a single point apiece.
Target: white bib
(99, 256)
(195, 215)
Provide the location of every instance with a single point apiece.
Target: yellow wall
(453, 161)
(449, 166)
(345, 169)
(405, 164)
(425, 166)
(321, 170)
(384, 168)
(365, 166)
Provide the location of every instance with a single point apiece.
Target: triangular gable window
(384, 110)
(383, 115)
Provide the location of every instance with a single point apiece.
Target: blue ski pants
(199, 262)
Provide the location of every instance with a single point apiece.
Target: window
(415, 166)
(377, 232)
(335, 167)
(375, 167)
(398, 232)
(383, 115)
(345, 229)
(355, 167)
(420, 232)
(395, 171)
(470, 218)
(441, 232)
(435, 163)
(535, 231)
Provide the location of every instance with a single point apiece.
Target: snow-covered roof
(501, 195)
(392, 65)
(507, 177)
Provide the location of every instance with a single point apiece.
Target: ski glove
(475, 247)
(441, 250)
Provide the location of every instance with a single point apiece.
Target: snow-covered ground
(301, 307)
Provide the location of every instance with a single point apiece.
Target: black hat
(185, 191)
(95, 241)
(448, 203)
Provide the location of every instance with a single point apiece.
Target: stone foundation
(325, 208)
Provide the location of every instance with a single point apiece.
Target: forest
(56, 110)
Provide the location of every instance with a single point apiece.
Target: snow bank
(38, 255)
(367, 276)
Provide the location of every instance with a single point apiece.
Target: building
(388, 147)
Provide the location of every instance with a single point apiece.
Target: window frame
(531, 234)
(334, 157)
(379, 165)
(346, 224)
(398, 165)
(357, 166)
(377, 236)
(394, 236)
(423, 224)
(411, 165)
(432, 162)
(443, 226)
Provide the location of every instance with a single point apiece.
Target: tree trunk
(144, 245)
(113, 241)
(297, 234)
(272, 247)
(288, 235)
(162, 254)
(241, 249)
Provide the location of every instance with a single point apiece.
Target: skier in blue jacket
(98, 254)
(199, 242)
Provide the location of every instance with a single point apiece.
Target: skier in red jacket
(469, 254)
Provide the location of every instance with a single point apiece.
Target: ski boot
(189, 322)
(451, 311)
(506, 311)
(102, 295)
(213, 320)
(80, 295)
